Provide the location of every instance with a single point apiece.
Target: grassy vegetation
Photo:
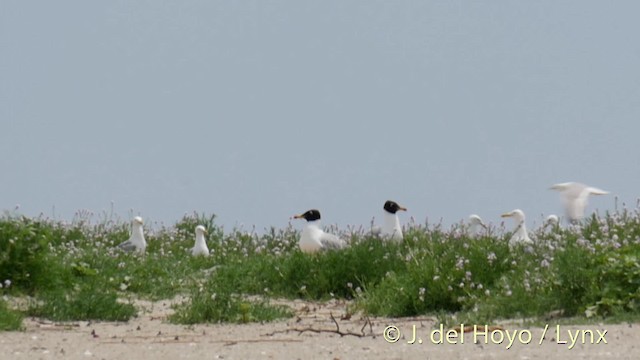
(9, 319)
(73, 271)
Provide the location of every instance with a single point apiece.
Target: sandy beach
(318, 331)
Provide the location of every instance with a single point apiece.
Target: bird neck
(312, 226)
(200, 239)
(138, 232)
(391, 220)
(521, 228)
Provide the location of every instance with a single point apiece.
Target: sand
(149, 336)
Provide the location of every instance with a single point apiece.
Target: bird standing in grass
(520, 234)
(200, 247)
(552, 220)
(313, 238)
(391, 228)
(574, 197)
(475, 226)
(136, 241)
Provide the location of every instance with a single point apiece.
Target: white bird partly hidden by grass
(476, 226)
(136, 241)
(391, 228)
(200, 248)
(574, 196)
(520, 233)
(313, 238)
(551, 220)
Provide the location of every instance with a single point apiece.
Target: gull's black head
(310, 215)
(393, 207)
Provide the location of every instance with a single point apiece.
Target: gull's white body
(391, 228)
(314, 239)
(574, 197)
(200, 247)
(136, 241)
(520, 234)
(476, 225)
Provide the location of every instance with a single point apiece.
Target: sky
(259, 110)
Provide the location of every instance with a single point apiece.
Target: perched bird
(391, 228)
(552, 220)
(574, 196)
(200, 247)
(476, 225)
(313, 238)
(136, 241)
(520, 233)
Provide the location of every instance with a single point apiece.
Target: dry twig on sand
(337, 330)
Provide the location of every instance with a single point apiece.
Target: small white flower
(544, 263)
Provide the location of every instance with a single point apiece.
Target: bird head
(393, 207)
(310, 215)
(476, 220)
(517, 214)
(201, 230)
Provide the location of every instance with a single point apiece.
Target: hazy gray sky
(258, 110)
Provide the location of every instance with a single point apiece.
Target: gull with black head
(391, 228)
(313, 238)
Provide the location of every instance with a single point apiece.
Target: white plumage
(313, 238)
(391, 228)
(520, 233)
(476, 226)
(136, 241)
(552, 220)
(574, 197)
(200, 247)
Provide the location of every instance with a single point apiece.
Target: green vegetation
(9, 319)
(73, 271)
(215, 301)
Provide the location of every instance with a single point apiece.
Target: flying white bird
(200, 247)
(520, 233)
(574, 196)
(476, 225)
(391, 228)
(136, 241)
(313, 238)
